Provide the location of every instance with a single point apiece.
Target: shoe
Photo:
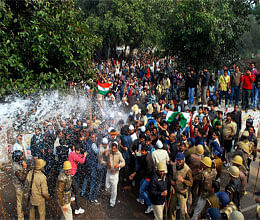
(96, 202)
(72, 198)
(257, 193)
(140, 201)
(79, 211)
(148, 210)
(112, 205)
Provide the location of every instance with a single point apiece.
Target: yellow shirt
(223, 82)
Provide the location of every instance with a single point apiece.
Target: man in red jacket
(247, 81)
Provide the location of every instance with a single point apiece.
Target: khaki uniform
(181, 190)
(64, 194)
(219, 166)
(18, 177)
(225, 212)
(39, 193)
(206, 178)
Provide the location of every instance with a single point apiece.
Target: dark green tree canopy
(46, 44)
(206, 32)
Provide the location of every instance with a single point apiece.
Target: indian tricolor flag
(103, 88)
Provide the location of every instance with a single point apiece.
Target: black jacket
(146, 166)
(157, 186)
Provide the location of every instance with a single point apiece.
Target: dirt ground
(126, 207)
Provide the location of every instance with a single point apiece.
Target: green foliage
(256, 13)
(136, 23)
(46, 45)
(250, 40)
(206, 32)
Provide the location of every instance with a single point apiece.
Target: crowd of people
(172, 151)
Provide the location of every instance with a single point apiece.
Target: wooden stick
(3, 211)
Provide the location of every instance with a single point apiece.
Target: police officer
(206, 176)
(181, 180)
(238, 162)
(244, 150)
(234, 185)
(19, 173)
(64, 190)
(226, 206)
(39, 189)
(158, 191)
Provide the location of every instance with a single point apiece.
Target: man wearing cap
(158, 191)
(238, 162)
(234, 185)
(181, 180)
(160, 155)
(244, 149)
(145, 170)
(115, 162)
(205, 177)
(39, 189)
(64, 190)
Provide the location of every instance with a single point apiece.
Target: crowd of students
(173, 151)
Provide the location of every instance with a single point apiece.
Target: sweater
(74, 159)
(247, 81)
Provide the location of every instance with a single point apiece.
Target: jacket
(146, 166)
(235, 78)
(74, 159)
(229, 130)
(115, 159)
(157, 186)
(185, 172)
(39, 187)
(160, 155)
(18, 175)
(64, 188)
(37, 145)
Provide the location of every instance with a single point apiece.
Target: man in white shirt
(160, 155)
(22, 146)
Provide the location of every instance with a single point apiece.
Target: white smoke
(23, 115)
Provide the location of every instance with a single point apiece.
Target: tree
(138, 24)
(46, 45)
(206, 32)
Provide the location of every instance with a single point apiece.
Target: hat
(223, 198)
(110, 129)
(104, 141)
(135, 109)
(180, 156)
(150, 109)
(164, 112)
(49, 124)
(115, 144)
(245, 134)
(142, 129)
(131, 127)
(113, 132)
(214, 213)
(39, 164)
(159, 144)
(85, 125)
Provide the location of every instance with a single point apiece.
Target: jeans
(221, 94)
(93, 175)
(144, 185)
(204, 94)
(253, 93)
(256, 98)
(75, 190)
(246, 93)
(191, 94)
(234, 94)
(94, 190)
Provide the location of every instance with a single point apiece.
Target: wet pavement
(126, 207)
